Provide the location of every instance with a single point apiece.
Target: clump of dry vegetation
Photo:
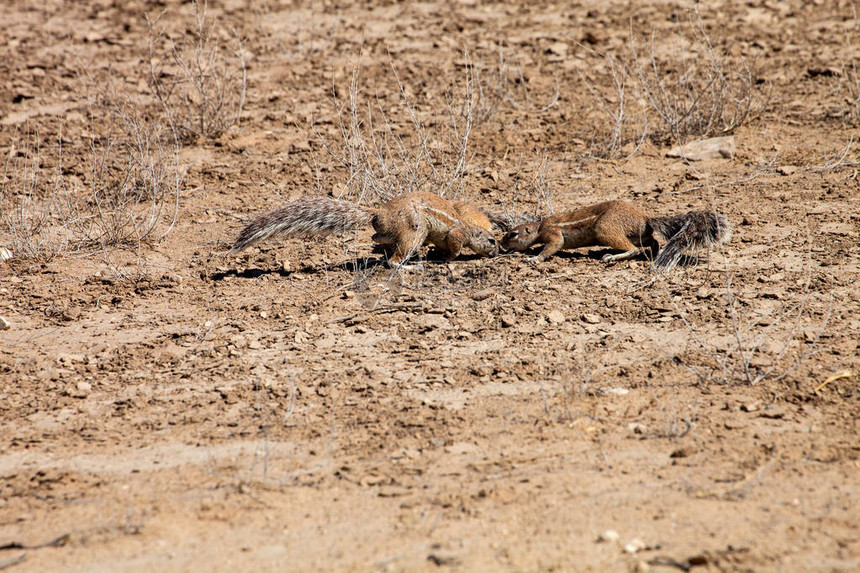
(421, 141)
(134, 181)
(691, 91)
(33, 202)
(199, 83)
(123, 191)
(753, 344)
(389, 150)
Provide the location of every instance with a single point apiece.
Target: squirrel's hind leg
(628, 254)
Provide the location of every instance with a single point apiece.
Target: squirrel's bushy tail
(310, 217)
(690, 231)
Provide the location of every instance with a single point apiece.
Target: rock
(774, 413)
(508, 320)
(483, 294)
(442, 558)
(430, 322)
(461, 448)
(634, 546)
(4, 324)
(614, 391)
(392, 491)
(713, 148)
(825, 454)
(683, 452)
(80, 390)
(608, 536)
(557, 48)
(637, 428)
(555, 317)
(590, 318)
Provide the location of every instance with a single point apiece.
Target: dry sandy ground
(300, 407)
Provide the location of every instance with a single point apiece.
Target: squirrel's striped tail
(309, 217)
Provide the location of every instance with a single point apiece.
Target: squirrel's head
(521, 237)
(484, 243)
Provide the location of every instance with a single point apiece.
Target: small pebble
(609, 536)
(4, 324)
(555, 317)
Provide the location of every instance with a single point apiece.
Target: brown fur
(403, 224)
(623, 226)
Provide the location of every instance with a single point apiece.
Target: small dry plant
(33, 202)
(128, 194)
(390, 151)
(134, 181)
(625, 129)
(200, 85)
(538, 191)
(578, 374)
(850, 76)
(672, 94)
(502, 82)
(698, 92)
(764, 344)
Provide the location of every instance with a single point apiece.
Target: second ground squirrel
(403, 224)
(624, 226)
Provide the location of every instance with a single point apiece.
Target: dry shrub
(200, 85)
(421, 143)
(625, 129)
(33, 202)
(500, 82)
(673, 94)
(388, 151)
(850, 77)
(128, 195)
(134, 181)
(750, 346)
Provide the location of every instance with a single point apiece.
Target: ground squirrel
(403, 224)
(623, 226)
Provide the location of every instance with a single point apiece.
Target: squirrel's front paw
(534, 259)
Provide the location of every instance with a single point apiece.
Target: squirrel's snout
(506, 240)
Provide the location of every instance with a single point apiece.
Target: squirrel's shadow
(598, 254)
(434, 256)
(253, 273)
